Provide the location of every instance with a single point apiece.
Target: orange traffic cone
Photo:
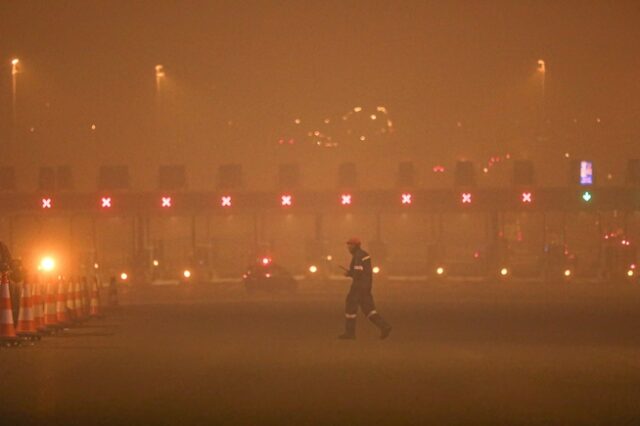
(80, 316)
(50, 308)
(26, 322)
(7, 330)
(38, 307)
(94, 310)
(86, 297)
(70, 298)
(61, 305)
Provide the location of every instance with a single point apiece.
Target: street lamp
(15, 62)
(542, 71)
(14, 85)
(159, 76)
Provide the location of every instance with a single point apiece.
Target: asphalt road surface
(500, 353)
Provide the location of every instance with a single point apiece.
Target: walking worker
(360, 293)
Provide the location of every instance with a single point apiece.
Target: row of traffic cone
(46, 308)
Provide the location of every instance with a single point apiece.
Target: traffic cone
(61, 304)
(86, 297)
(94, 310)
(50, 306)
(80, 311)
(26, 322)
(38, 306)
(7, 330)
(70, 301)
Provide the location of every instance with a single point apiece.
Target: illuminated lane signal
(465, 197)
(167, 202)
(46, 203)
(105, 202)
(225, 201)
(587, 196)
(526, 197)
(406, 198)
(345, 199)
(286, 200)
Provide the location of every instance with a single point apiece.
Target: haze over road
(460, 353)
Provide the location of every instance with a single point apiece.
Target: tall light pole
(158, 113)
(159, 77)
(14, 87)
(15, 63)
(542, 71)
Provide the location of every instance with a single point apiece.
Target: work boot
(349, 330)
(385, 328)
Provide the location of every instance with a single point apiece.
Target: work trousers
(359, 297)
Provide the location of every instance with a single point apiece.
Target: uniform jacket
(360, 269)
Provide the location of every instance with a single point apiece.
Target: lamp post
(542, 71)
(15, 62)
(159, 77)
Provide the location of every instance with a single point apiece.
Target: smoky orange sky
(458, 79)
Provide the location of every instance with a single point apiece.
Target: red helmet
(354, 240)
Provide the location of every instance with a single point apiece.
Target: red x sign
(166, 202)
(105, 202)
(225, 201)
(286, 200)
(46, 203)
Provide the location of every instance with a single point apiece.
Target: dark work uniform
(360, 295)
